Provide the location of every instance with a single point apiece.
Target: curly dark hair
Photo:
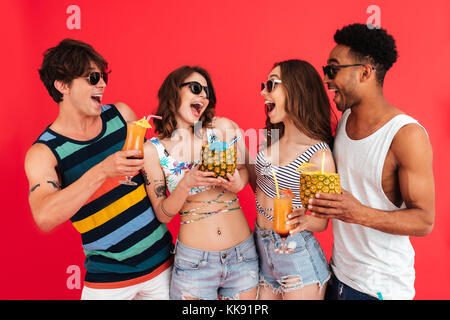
(374, 46)
(70, 59)
(169, 100)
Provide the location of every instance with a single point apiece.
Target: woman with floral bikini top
(215, 254)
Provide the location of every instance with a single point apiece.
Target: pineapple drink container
(316, 181)
(312, 182)
(219, 160)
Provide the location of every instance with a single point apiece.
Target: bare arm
(51, 205)
(413, 153)
(156, 187)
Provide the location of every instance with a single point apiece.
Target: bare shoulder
(151, 152)
(39, 154)
(152, 164)
(126, 112)
(329, 165)
(227, 128)
(411, 141)
(40, 163)
(223, 123)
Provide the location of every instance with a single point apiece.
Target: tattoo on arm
(55, 184)
(160, 189)
(144, 175)
(34, 188)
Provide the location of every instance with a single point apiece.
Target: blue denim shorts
(307, 264)
(208, 274)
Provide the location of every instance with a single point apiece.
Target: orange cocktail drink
(135, 141)
(282, 207)
(135, 137)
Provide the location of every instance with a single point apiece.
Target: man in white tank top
(384, 159)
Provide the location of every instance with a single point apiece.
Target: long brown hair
(170, 101)
(307, 102)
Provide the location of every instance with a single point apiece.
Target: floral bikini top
(173, 170)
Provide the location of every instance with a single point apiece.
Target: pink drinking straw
(152, 116)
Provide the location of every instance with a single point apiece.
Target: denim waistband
(188, 253)
(301, 237)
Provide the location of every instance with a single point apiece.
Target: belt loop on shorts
(174, 250)
(272, 236)
(238, 254)
(205, 257)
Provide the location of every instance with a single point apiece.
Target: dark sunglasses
(269, 85)
(94, 77)
(331, 70)
(196, 88)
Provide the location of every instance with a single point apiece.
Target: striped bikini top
(121, 237)
(173, 170)
(287, 176)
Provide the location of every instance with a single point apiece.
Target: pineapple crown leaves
(304, 166)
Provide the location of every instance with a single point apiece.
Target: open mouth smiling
(269, 106)
(97, 98)
(197, 108)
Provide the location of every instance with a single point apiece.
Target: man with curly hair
(384, 159)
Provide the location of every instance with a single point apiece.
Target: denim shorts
(206, 275)
(307, 264)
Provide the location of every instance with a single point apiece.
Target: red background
(238, 42)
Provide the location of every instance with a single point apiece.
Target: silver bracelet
(165, 212)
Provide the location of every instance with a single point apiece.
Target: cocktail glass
(282, 207)
(134, 141)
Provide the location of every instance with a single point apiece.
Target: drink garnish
(143, 123)
(287, 192)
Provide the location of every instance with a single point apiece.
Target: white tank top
(371, 261)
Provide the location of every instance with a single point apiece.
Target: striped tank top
(123, 241)
(287, 176)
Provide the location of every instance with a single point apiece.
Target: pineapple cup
(219, 162)
(312, 182)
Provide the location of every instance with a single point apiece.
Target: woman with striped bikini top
(298, 112)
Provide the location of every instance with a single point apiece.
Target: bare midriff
(217, 232)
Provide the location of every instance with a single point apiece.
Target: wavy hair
(170, 101)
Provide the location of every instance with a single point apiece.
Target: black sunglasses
(331, 70)
(269, 84)
(94, 77)
(196, 88)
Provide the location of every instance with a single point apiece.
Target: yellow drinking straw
(276, 184)
(323, 160)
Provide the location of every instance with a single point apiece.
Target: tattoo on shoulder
(160, 189)
(34, 188)
(55, 184)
